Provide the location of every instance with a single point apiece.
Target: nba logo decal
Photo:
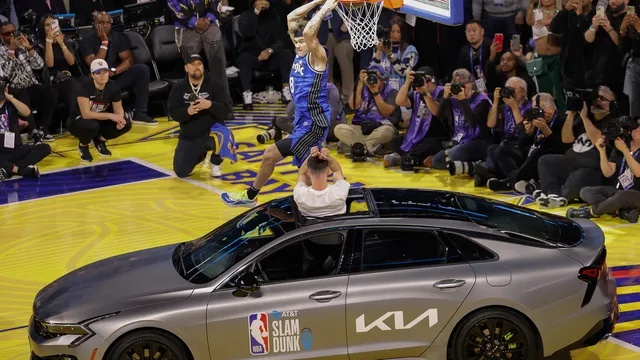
(258, 334)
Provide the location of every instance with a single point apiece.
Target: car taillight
(592, 273)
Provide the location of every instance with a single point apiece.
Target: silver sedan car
(404, 274)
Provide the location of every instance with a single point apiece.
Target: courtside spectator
(510, 66)
(425, 132)
(475, 54)
(198, 29)
(629, 43)
(319, 199)
(58, 58)
(196, 103)
(262, 47)
(622, 199)
(398, 56)
(16, 158)
(97, 114)
(376, 116)
(19, 64)
(112, 47)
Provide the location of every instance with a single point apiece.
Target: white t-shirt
(328, 202)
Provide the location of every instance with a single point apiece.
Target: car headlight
(82, 330)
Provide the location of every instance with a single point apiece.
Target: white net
(361, 19)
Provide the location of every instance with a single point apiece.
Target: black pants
(248, 62)
(136, 78)
(41, 98)
(504, 159)
(608, 199)
(560, 177)
(190, 153)
(23, 156)
(65, 90)
(422, 150)
(87, 129)
(285, 123)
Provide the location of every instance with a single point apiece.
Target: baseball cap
(378, 68)
(427, 71)
(99, 64)
(193, 58)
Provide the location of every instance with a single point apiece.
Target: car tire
(152, 339)
(472, 326)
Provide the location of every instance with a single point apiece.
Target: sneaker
(343, 148)
(234, 199)
(30, 171)
(583, 212)
(495, 184)
(428, 162)
(551, 201)
(247, 97)
(216, 171)
(537, 193)
(392, 160)
(47, 137)
(3, 175)
(266, 136)
(85, 154)
(36, 137)
(631, 215)
(521, 187)
(144, 119)
(286, 95)
(531, 187)
(480, 174)
(376, 151)
(101, 146)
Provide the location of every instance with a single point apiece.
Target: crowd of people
(545, 98)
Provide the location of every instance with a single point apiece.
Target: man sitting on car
(320, 199)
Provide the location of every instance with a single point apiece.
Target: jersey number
(291, 85)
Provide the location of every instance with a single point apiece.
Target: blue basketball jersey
(309, 91)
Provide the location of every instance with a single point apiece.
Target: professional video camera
(411, 163)
(577, 98)
(456, 88)
(620, 128)
(372, 77)
(507, 92)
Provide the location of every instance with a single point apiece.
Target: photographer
(629, 42)
(624, 198)
(376, 114)
(505, 118)
(425, 132)
(465, 111)
(569, 27)
(562, 176)
(196, 103)
(16, 158)
(395, 54)
(97, 115)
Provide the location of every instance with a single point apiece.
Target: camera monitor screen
(448, 12)
(140, 12)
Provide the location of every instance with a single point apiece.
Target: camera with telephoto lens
(507, 92)
(358, 152)
(534, 113)
(372, 77)
(456, 88)
(577, 98)
(620, 128)
(419, 79)
(460, 167)
(410, 163)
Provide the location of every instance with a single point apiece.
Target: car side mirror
(247, 283)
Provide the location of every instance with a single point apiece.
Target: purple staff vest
(463, 132)
(420, 120)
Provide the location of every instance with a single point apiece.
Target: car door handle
(325, 295)
(449, 284)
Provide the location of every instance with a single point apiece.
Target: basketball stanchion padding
(361, 19)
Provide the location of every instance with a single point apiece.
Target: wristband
(105, 42)
(375, 93)
(50, 41)
(104, 47)
(12, 52)
(423, 93)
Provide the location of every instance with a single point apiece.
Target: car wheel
(495, 334)
(147, 345)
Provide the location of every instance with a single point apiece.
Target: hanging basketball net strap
(361, 19)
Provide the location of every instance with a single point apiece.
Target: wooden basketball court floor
(79, 213)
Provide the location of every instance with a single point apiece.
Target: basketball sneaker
(216, 171)
(235, 199)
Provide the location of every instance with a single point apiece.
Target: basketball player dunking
(308, 85)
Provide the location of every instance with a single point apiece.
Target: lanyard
(624, 161)
(6, 114)
(472, 68)
(550, 125)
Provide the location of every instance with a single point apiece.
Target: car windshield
(202, 260)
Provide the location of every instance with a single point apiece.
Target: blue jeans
(632, 86)
(474, 150)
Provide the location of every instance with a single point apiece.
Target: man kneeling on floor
(623, 199)
(15, 157)
(97, 114)
(197, 103)
(321, 199)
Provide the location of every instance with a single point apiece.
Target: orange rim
(360, 1)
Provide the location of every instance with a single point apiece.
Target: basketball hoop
(361, 18)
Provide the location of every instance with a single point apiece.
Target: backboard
(449, 12)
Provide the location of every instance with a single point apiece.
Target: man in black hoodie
(196, 103)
